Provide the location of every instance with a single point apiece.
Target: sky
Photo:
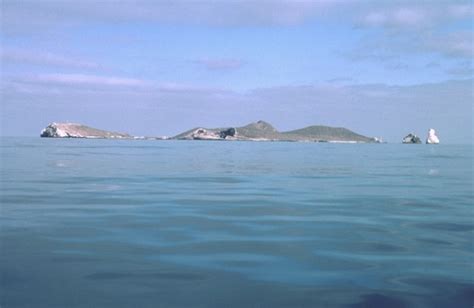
(154, 68)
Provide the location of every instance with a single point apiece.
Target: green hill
(326, 133)
(258, 130)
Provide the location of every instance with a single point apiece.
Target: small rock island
(258, 131)
(432, 138)
(411, 138)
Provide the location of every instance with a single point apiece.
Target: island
(263, 131)
(432, 138)
(75, 130)
(411, 138)
(257, 131)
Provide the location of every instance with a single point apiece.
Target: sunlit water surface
(103, 223)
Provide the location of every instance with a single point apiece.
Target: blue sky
(381, 68)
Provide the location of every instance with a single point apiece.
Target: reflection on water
(161, 223)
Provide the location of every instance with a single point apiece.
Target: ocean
(123, 223)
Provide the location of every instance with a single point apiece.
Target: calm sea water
(103, 223)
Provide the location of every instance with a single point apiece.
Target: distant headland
(75, 130)
(258, 131)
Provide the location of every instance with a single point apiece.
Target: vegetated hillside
(258, 130)
(326, 133)
(262, 130)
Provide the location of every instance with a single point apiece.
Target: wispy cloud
(458, 44)
(404, 15)
(415, 28)
(32, 16)
(187, 88)
(461, 10)
(220, 64)
(462, 69)
(398, 17)
(390, 48)
(338, 80)
(82, 82)
(86, 80)
(19, 56)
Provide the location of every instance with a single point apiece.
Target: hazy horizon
(379, 68)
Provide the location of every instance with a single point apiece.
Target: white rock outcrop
(207, 134)
(61, 130)
(432, 138)
(204, 134)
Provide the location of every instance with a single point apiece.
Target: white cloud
(397, 17)
(405, 15)
(409, 16)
